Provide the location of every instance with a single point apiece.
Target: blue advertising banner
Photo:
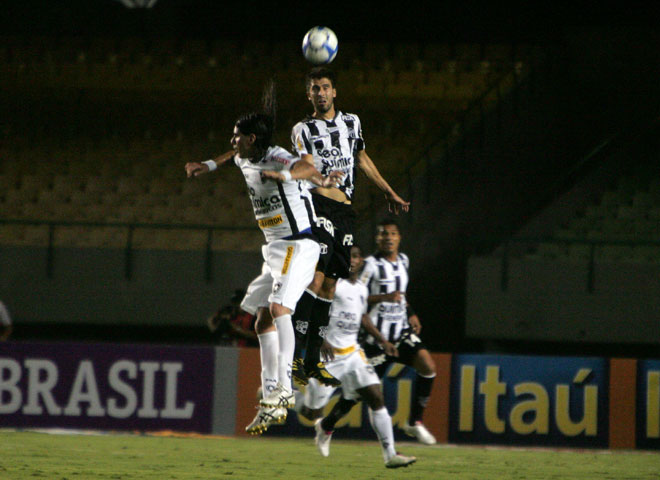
(106, 386)
(397, 387)
(526, 400)
(648, 404)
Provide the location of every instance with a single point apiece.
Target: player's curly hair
(261, 124)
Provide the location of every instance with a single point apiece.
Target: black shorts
(334, 231)
(408, 345)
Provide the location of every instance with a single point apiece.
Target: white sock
(381, 422)
(269, 348)
(287, 340)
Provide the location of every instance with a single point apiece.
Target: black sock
(317, 323)
(423, 386)
(300, 320)
(341, 408)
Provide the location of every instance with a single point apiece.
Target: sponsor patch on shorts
(287, 259)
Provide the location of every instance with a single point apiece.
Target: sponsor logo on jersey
(325, 224)
(348, 240)
(327, 153)
(270, 222)
(264, 204)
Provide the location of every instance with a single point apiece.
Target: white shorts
(288, 269)
(317, 395)
(354, 373)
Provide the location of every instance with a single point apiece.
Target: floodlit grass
(26, 455)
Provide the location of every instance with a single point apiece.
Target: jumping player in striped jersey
(284, 212)
(386, 275)
(332, 141)
(348, 364)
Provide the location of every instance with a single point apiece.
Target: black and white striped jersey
(282, 209)
(333, 144)
(382, 277)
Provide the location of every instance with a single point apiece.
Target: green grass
(27, 455)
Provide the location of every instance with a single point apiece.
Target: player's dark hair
(318, 73)
(388, 221)
(355, 245)
(261, 124)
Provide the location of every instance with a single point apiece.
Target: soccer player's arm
(371, 329)
(194, 169)
(394, 201)
(413, 320)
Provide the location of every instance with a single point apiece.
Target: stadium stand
(85, 108)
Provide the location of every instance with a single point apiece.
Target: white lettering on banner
(8, 385)
(85, 390)
(119, 386)
(41, 388)
(148, 410)
(170, 411)
(31, 392)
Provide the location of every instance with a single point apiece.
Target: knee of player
(317, 282)
(277, 310)
(328, 288)
(373, 396)
(264, 321)
(425, 363)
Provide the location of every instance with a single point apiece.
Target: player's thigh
(292, 265)
(257, 292)
(356, 375)
(317, 395)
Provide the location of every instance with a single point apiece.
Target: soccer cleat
(266, 416)
(322, 439)
(398, 461)
(298, 372)
(419, 431)
(320, 373)
(280, 397)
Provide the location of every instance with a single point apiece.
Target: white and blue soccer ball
(320, 45)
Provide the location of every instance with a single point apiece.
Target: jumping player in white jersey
(331, 141)
(349, 365)
(284, 212)
(386, 275)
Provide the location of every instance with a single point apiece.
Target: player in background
(284, 212)
(5, 323)
(331, 141)
(349, 365)
(386, 275)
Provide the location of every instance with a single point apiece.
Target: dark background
(594, 56)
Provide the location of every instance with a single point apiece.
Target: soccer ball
(320, 45)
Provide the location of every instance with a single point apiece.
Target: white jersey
(333, 144)
(282, 209)
(382, 277)
(346, 311)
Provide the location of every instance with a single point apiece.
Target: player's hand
(333, 179)
(194, 169)
(390, 349)
(396, 203)
(394, 297)
(416, 325)
(272, 175)
(327, 354)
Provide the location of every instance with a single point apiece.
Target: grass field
(29, 455)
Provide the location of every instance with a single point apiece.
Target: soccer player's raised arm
(394, 202)
(194, 169)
